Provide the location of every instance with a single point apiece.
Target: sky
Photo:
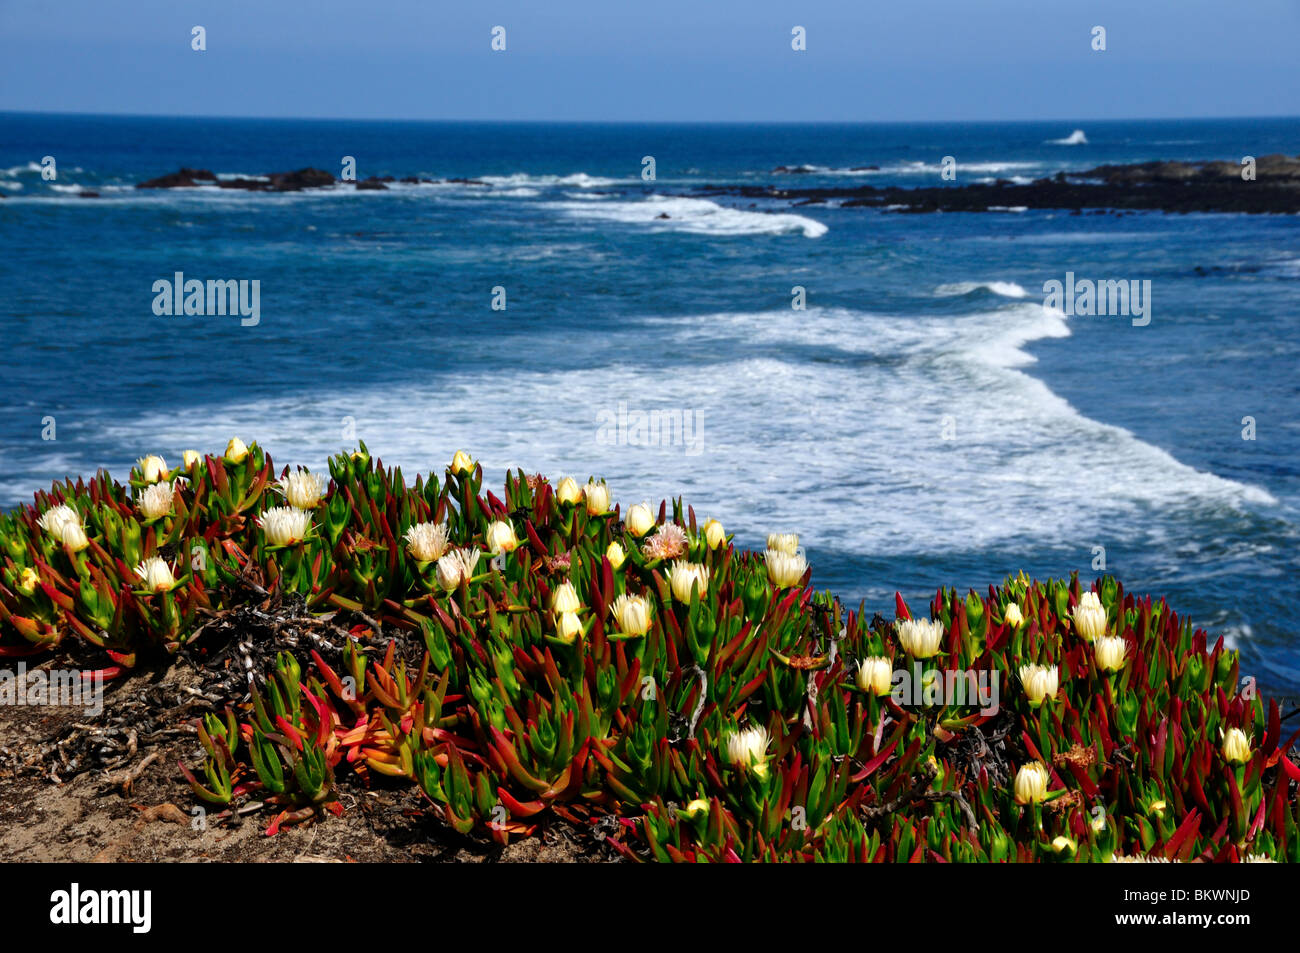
(657, 60)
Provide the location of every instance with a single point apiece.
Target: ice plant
(1012, 616)
(152, 468)
(155, 501)
(427, 542)
(461, 462)
(74, 537)
(1236, 746)
(1039, 681)
(685, 575)
(235, 451)
(565, 598)
(191, 459)
(56, 517)
(747, 749)
(1089, 617)
(568, 492)
(875, 675)
(1031, 783)
(714, 534)
(568, 626)
(302, 490)
(500, 537)
(285, 525)
(632, 613)
(457, 567)
(784, 542)
(597, 497)
(1110, 651)
(920, 638)
(639, 519)
(156, 574)
(668, 543)
(785, 570)
(615, 554)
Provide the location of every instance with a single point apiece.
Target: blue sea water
(925, 421)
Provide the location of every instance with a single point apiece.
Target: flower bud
(597, 497)
(568, 491)
(639, 519)
(714, 534)
(684, 575)
(1236, 746)
(568, 626)
(1012, 616)
(1110, 651)
(785, 570)
(694, 809)
(501, 538)
(565, 598)
(462, 462)
(748, 748)
(1031, 783)
(875, 675)
(192, 459)
(236, 451)
(1089, 617)
(152, 468)
(28, 580)
(1039, 682)
(74, 537)
(614, 553)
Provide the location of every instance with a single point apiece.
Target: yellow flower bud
(1236, 746)
(461, 462)
(1031, 783)
(236, 451)
(568, 491)
(639, 519)
(615, 555)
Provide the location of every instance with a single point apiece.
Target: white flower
(456, 567)
(639, 520)
(426, 542)
(683, 575)
(1039, 681)
(1110, 650)
(235, 450)
(461, 462)
(285, 525)
(875, 675)
(568, 626)
(155, 501)
(1031, 783)
(632, 614)
(191, 458)
(568, 491)
(501, 538)
(920, 638)
(785, 570)
(152, 468)
(1090, 600)
(565, 598)
(157, 575)
(784, 542)
(668, 542)
(748, 748)
(714, 534)
(302, 489)
(56, 517)
(597, 497)
(74, 537)
(615, 555)
(1089, 618)
(1012, 616)
(1236, 746)
(1258, 859)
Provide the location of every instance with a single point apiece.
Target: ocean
(924, 420)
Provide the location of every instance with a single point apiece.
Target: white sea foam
(921, 168)
(1076, 138)
(1008, 289)
(696, 216)
(579, 179)
(847, 447)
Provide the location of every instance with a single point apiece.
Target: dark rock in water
(460, 181)
(663, 215)
(88, 195)
(372, 184)
(865, 168)
(274, 182)
(184, 179)
(793, 170)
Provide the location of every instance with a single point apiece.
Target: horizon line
(643, 122)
